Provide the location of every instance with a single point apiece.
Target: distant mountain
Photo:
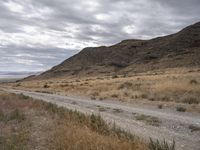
(17, 74)
(177, 50)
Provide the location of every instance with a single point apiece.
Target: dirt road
(142, 121)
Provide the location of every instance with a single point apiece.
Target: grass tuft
(17, 115)
(46, 86)
(157, 145)
(194, 128)
(194, 82)
(14, 141)
(149, 120)
(191, 100)
(160, 106)
(181, 109)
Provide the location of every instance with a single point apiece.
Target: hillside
(129, 56)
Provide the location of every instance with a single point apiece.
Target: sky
(35, 35)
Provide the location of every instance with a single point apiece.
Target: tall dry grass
(46, 126)
(167, 88)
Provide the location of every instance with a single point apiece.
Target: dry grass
(169, 88)
(29, 124)
(181, 109)
(194, 128)
(154, 121)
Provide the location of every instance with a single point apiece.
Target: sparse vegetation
(93, 98)
(18, 84)
(101, 109)
(157, 145)
(173, 87)
(14, 124)
(16, 141)
(114, 95)
(22, 96)
(144, 95)
(125, 85)
(74, 103)
(181, 109)
(46, 86)
(194, 128)
(154, 121)
(101, 98)
(191, 100)
(194, 82)
(114, 76)
(42, 91)
(16, 115)
(122, 133)
(73, 130)
(116, 110)
(160, 106)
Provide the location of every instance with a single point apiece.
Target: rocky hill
(177, 50)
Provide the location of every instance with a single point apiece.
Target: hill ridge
(181, 49)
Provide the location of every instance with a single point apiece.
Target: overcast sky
(38, 34)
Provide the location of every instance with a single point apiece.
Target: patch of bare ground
(29, 124)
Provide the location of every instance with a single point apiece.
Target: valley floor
(146, 122)
(159, 104)
(175, 88)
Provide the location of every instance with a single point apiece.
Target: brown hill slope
(177, 50)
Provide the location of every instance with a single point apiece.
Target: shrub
(181, 109)
(1, 115)
(95, 94)
(119, 64)
(152, 99)
(191, 100)
(74, 103)
(64, 85)
(52, 108)
(19, 84)
(121, 133)
(126, 94)
(154, 121)
(165, 98)
(47, 92)
(156, 145)
(93, 98)
(160, 106)
(101, 109)
(98, 124)
(115, 95)
(16, 115)
(194, 128)
(114, 76)
(14, 142)
(46, 86)
(22, 96)
(193, 81)
(144, 95)
(101, 98)
(116, 110)
(125, 85)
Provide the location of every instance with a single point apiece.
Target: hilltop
(181, 49)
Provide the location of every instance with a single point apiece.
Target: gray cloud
(35, 35)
